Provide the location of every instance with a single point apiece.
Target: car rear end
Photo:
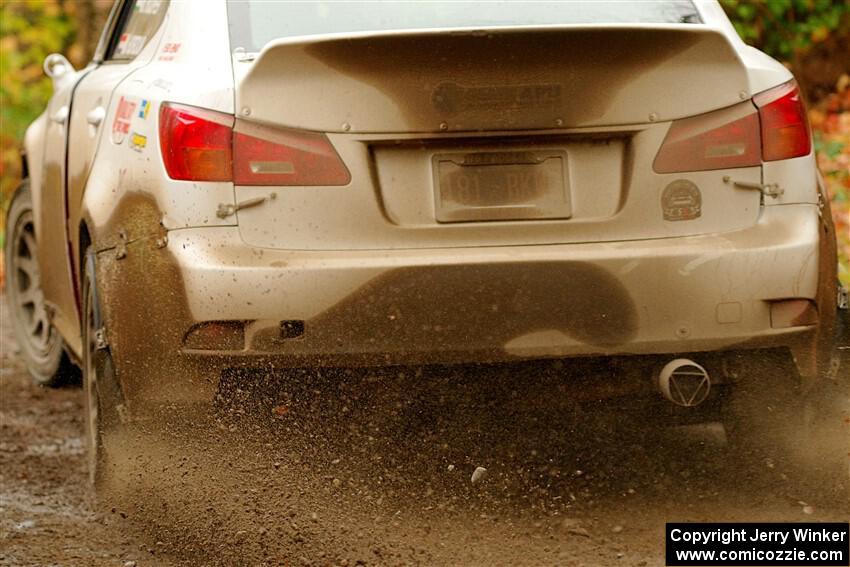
(447, 185)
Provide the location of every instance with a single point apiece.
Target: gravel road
(344, 470)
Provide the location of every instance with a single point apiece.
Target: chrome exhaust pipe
(684, 383)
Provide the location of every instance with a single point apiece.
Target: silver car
(277, 185)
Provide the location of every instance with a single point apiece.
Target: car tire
(827, 426)
(770, 420)
(42, 348)
(825, 444)
(100, 384)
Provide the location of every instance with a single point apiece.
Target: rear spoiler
(496, 79)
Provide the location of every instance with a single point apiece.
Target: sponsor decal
(144, 107)
(148, 6)
(121, 123)
(169, 51)
(681, 200)
(452, 98)
(130, 44)
(162, 84)
(122, 42)
(138, 142)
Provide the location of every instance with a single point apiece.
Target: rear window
(253, 23)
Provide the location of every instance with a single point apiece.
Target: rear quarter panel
(129, 194)
(130, 203)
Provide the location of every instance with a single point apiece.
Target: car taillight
(784, 127)
(267, 156)
(740, 136)
(717, 140)
(196, 143)
(202, 145)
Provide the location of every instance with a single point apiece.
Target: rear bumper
(666, 295)
(673, 295)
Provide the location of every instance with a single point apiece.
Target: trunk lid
(497, 79)
(559, 125)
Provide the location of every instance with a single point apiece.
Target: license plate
(501, 186)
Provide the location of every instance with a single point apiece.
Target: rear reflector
(793, 313)
(196, 144)
(784, 127)
(267, 156)
(216, 335)
(738, 136)
(202, 145)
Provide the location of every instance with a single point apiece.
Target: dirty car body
(454, 184)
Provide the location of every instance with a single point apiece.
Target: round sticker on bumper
(681, 200)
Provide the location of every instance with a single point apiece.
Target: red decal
(121, 124)
(169, 50)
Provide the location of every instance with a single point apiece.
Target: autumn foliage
(830, 120)
(30, 30)
(812, 36)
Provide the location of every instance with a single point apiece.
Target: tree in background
(30, 30)
(811, 36)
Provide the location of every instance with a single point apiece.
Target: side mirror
(56, 66)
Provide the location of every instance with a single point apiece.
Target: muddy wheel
(99, 380)
(770, 419)
(824, 447)
(826, 439)
(41, 345)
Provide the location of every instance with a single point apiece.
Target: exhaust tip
(684, 382)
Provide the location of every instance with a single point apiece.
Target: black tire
(827, 440)
(770, 417)
(100, 384)
(42, 348)
(825, 444)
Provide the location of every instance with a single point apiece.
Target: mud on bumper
(207, 301)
